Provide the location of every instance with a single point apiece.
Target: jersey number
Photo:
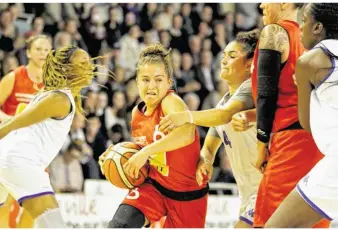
(159, 161)
(226, 139)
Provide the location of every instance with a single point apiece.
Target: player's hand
(103, 157)
(135, 163)
(204, 171)
(240, 122)
(4, 118)
(263, 153)
(173, 120)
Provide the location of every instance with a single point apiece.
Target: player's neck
(34, 73)
(290, 17)
(233, 88)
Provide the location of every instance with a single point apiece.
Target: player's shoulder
(9, 76)
(273, 37)
(172, 98)
(172, 103)
(314, 59)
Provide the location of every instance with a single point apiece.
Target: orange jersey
(174, 170)
(286, 112)
(23, 91)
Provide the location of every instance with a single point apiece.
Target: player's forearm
(269, 66)
(211, 144)
(251, 115)
(212, 117)
(178, 138)
(207, 155)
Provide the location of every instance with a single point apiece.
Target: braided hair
(60, 73)
(326, 13)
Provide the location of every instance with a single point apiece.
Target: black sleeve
(269, 68)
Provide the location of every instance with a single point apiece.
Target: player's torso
(286, 112)
(175, 170)
(38, 144)
(241, 150)
(23, 91)
(324, 106)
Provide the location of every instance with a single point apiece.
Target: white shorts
(319, 188)
(3, 195)
(23, 184)
(247, 210)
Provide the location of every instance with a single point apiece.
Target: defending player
(315, 196)
(240, 147)
(172, 190)
(30, 141)
(16, 90)
(292, 150)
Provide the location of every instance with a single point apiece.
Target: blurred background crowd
(197, 34)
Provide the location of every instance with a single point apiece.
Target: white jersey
(324, 105)
(37, 145)
(241, 147)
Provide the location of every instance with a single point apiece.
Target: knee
(39, 205)
(127, 216)
(115, 223)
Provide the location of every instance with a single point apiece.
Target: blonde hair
(32, 39)
(157, 54)
(60, 73)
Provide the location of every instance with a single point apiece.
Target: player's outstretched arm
(54, 105)
(205, 166)
(241, 100)
(208, 118)
(6, 88)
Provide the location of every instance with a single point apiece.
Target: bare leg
(294, 212)
(242, 224)
(45, 211)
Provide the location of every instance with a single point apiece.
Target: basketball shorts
(247, 210)
(24, 184)
(293, 153)
(319, 188)
(179, 214)
(3, 195)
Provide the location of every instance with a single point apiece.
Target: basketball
(117, 156)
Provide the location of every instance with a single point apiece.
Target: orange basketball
(117, 156)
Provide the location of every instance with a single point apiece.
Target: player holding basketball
(241, 148)
(172, 190)
(316, 195)
(292, 150)
(30, 141)
(16, 90)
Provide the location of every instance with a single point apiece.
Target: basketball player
(16, 89)
(20, 85)
(30, 141)
(292, 150)
(316, 195)
(240, 147)
(172, 190)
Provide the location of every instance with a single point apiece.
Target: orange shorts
(179, 214)
(293, 153)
